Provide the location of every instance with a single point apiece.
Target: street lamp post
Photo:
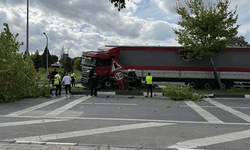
(46, 54)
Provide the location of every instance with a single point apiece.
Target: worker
(67, 82)
(148, 80)
(73, 77)
(94, 81)
(57, 83)
(53, 76)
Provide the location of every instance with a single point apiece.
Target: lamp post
(46, 54)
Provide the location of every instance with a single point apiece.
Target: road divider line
(8, 124)
(66, 107)
(212, 140)
(229, 109)
(88, 132)
(205, 114)
(123, 104)
(17, 113)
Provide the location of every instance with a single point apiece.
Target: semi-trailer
(164, 64)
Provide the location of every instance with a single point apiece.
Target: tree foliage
(120, 4)
(54, 59)
(205, 29)
(17, 75)
(238, 41)
(44, 59)
(77, 64)
(67, 65)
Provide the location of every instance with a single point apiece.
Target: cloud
(86, 25)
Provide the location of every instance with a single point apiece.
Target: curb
(117, 93)
(160, 94)
(89, 145)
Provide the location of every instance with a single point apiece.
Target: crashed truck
(164, 64)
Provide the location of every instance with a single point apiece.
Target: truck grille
(85, 75)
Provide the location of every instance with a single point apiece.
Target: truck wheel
(193, 83)
(108, 85)
(207, 85)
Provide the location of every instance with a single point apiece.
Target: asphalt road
(156, 122)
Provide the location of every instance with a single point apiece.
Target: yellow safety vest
(149, 79)
(73, 75)
(56, 82)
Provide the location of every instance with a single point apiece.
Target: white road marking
(91, 132)
(109, 104)
(229, 109)
(205, 114)
(17, 113)
(67, 106)
(125, 119)
(213, 140)
(8, 124)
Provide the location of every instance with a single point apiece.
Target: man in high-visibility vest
(57, 83)
(148, 80)
(73, 76)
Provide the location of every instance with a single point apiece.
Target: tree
(17, 79)
(44, 59)
(37, 60)
(77, 63)
(54, 59)
(67, 65)
(205, 30)
(120, 4)
(238, 41)
(62, 61)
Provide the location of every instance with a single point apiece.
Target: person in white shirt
(67, 82)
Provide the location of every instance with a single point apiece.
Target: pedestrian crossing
(55, 116)
(74, 101)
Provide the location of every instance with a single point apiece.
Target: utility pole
(46, 49)
(27, 34)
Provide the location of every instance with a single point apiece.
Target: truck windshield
(89, 61)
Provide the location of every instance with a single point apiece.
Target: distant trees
(238, 41)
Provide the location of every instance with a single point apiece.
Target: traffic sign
(119, 76)
(115, 66)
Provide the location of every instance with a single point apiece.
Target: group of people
(66, 81)
(69, 79)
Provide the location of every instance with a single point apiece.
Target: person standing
(94, 81)
(53, 76)
(73, 76)
(67, 82)
(149, 79)
(57, 83)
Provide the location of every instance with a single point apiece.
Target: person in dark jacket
(94, 81)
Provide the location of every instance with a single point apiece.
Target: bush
(185, 92)
(17, 75)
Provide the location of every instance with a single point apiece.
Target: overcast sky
(81, 25)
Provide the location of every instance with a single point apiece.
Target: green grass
(229, 91)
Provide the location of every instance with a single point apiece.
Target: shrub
(17, 75)
(185, 92)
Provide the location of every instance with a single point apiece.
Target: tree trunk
(215, 73)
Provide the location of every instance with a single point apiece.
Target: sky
(81, 25)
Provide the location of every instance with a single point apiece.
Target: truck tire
(193, 82)
(207, 85)
(108, 84)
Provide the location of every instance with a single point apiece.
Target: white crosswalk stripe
(91, 131)
(66, 107)
(8, 124)
(206, 115)
(212, 140)
(17, 113)
(230, 110)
